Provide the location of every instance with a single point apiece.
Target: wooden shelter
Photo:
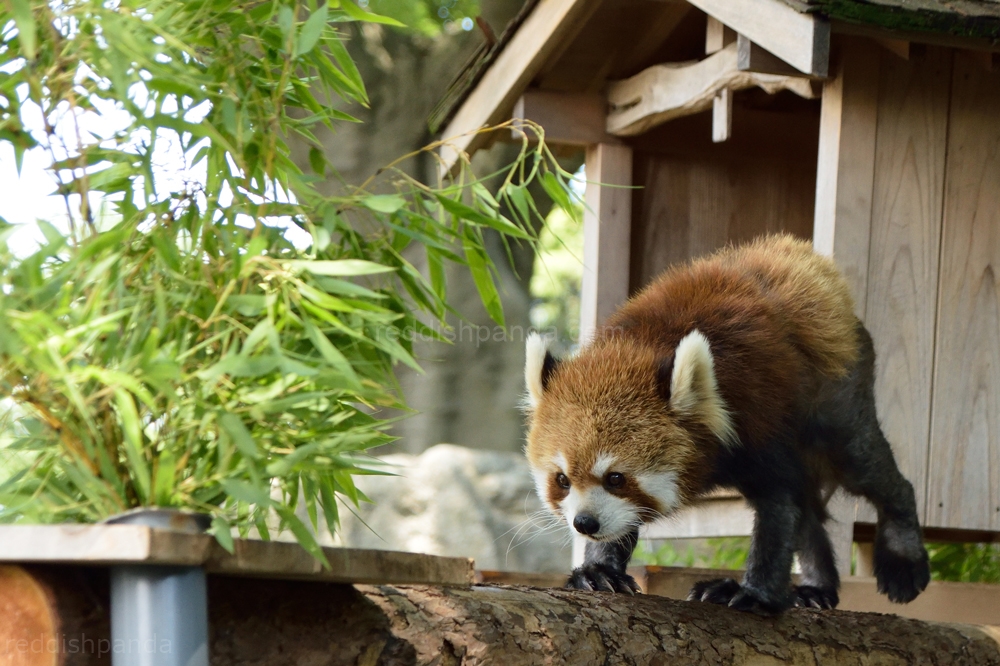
(870, 126)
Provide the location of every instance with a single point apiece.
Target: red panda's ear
(693, 388)
(664, 377)
(539, 365)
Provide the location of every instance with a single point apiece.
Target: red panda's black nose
(586, 524)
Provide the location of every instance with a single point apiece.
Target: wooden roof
(978, 19)
(975, 20)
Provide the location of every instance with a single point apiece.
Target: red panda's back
(775, 313)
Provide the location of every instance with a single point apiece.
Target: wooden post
(607, 228)
(844, 193)
(722, 116)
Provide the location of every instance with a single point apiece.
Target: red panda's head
(618, 433)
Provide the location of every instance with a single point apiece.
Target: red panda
(745, 369)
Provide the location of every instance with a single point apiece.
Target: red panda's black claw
(715, 591)
(601, 578)
(808, 596)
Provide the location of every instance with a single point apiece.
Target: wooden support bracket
(801, 40)
(664, 92)
(569, 119)
(754, 58)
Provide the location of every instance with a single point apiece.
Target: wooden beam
(717, 36)
(103, 545)
(754, 58)
(663, 92)
(572, 119)
(721, 517)
(607, 229)
(493, 98)
(801, 40)
(845, 176)
(899, 47)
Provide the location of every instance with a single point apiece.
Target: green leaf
(223, 533)
(479, 266)
(243, 491)
(234, 427)
(302, 533)
(359, 14)
(339, 268)
(286, 20)
(332, 354)
(558, 193)
(311, 32)
(27, 29)
(501, 224)
(383, 203)
(163, 482)
(133, 442)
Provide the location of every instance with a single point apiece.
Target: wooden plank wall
(933, 307)
(904, 250)
(965, 423)
(932, 290)
(696, 195)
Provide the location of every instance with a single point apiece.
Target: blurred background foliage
(428, 17)
(557, 277)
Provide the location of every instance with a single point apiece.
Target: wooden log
(517, 625)
(942, 601)
(54, 615)
(255, 621)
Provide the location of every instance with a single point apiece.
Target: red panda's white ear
(538, 367)
(693, 389)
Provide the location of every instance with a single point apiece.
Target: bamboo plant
(166, 344)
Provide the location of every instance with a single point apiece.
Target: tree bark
(396, 625)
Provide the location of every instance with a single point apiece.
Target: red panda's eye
(562, 480)
(614, 480)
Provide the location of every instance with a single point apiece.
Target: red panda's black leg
(773, 481)
(866, 466)
(766, 586)
(604, 565)
(820, 580)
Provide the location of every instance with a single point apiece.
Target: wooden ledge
(109, 545)
(664, 92)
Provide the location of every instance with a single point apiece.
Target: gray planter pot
(159, 614)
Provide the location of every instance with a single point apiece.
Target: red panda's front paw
(727, 592)
(808, 596)
(601, 578)
(715, 591)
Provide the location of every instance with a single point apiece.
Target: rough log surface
(258, 622)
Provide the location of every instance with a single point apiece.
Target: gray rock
(455, 501)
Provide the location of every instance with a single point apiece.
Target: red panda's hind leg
(820, 580)
(865, 466)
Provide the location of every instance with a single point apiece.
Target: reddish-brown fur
(778, 317)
